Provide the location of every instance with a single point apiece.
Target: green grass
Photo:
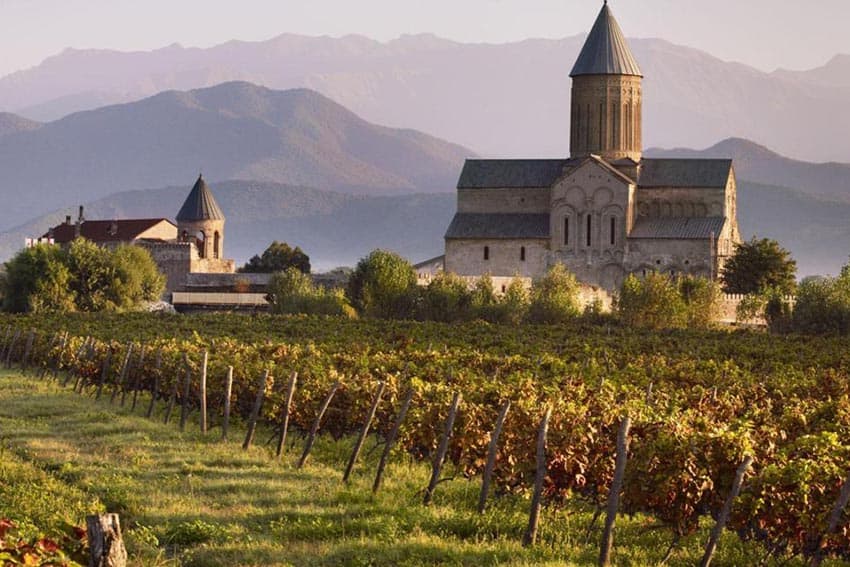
(186, 499)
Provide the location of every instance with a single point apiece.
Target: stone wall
(466, 257)
(173, 260)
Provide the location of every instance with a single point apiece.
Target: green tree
(38, 280)
(757, 265)
(513, 305)
(555, 297)
(136, 279)
(702, 298)
(277, 258)
(485, 303)
(447, 298)
(292, 291)
(652, 303)
(92, 273)
(383, 285)
(823, 305)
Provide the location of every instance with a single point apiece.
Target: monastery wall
(466, 257)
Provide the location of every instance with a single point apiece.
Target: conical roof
(200, 204)
(606, 51)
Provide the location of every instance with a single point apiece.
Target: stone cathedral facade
(605, 211)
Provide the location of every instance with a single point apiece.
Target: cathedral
(605, 211)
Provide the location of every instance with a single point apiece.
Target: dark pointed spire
(200, 204)
(606, 51)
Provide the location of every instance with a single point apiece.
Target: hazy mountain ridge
(759, 164)
(230, 131)
(333, 228)
(500, 99)
(12, 124)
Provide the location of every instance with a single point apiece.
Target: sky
(767, 34)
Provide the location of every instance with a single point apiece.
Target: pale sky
(794, 34)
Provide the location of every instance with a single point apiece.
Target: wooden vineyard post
(228, 391)
(391, 439)
(834, 521)
(122, 375)
(106, 544)
(440, 458)
(287, 405)
(203, 392)
(48, 356)
(492, 453)
(104, 372)
(184, 400)
(311, 438)
(27, 351)
(255, 411)
(724, 513)
(11, 350)
(74, 365)
(364, 432)
(614, 493)
(56, 361)
(157, 370)
(172, 399)
(7, 336)
(91, 353)
(138, 379)
(539, 476)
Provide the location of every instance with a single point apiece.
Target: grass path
(186, 499)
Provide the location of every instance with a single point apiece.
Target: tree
(514, 303)
(292, 291)
(653, 303)
(38, 280)
(136, 279)
(823, 305)
(757, 265)
(383, 285)
(86, 277)
(277, 258)
(447, 298)
(702, 298)
(555, 297)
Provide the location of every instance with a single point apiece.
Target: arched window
(216, 245)
(589, 230)
(567, 231)
(601, 125)
(486, 252)
(613, 231)
(201, 241)
(522, 253)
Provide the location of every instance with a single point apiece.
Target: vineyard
(699, 404)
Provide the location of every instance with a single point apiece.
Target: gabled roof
(510, 173)
(686, 173)
(606, 51)
(102, 231)
(498, 226)
(678, 228)
(200, 204)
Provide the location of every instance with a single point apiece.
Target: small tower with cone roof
(606, 95)
(201, 221)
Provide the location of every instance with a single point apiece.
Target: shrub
(758, 265)
(447, 298)
(823, 305)
(383, 285)
(652, 303)
(554, 297)
(702, 299)
(513, 305)
(292, 291)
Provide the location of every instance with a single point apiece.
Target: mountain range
(296, 166)
(500, 99)
(230, 131)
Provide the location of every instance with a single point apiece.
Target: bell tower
(201, 221)
(606, 95)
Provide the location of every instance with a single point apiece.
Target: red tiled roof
(105, 230)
